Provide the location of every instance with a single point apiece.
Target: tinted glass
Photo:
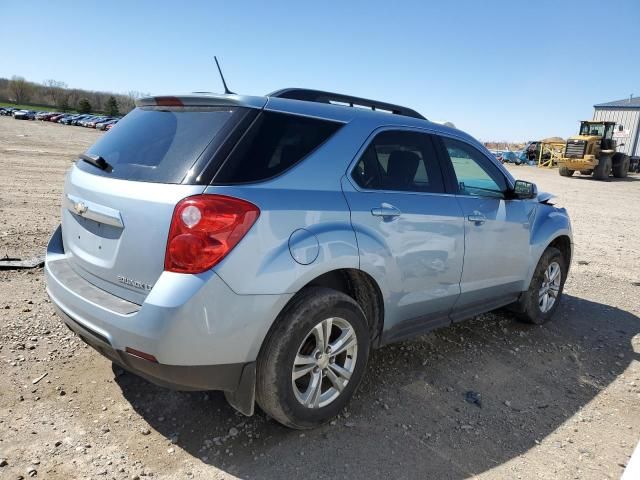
(273, 144)
(399, 161)
(474, 172)
(158, 144)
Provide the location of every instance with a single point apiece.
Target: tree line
(57, 95)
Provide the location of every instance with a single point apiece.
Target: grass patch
(33, 107)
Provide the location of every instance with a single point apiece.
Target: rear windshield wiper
(97, 161)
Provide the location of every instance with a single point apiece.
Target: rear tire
(545, 290)
(565, 172)
(301, 383)
(602, 170)
(620, 166)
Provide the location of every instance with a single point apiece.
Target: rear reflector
(139, 354)
(204, 229)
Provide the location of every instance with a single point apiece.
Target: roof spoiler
(319, 96)
(202, 99)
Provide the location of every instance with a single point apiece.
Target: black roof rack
(319, 96)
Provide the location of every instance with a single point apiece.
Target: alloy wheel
(550, 289)
(324, 363)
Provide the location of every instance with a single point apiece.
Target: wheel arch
(355, 283)
(551, 228)
(561, 241)
(363, 288)
(358, 285)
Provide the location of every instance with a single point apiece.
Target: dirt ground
(557, 401)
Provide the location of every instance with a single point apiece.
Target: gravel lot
(557, 401)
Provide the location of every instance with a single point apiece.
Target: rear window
(273, 144)
(159, 144)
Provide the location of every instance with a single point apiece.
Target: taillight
(204, 229)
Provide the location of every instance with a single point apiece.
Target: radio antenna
(224, 84)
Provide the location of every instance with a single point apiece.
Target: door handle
(386, 210)
(477, 218)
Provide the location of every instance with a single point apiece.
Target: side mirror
(524, 190)
(620, 128)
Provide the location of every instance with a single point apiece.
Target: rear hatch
(118, 201)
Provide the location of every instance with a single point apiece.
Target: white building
(626, 113)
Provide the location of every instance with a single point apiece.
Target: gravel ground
(557, 401)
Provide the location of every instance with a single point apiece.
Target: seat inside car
(401, 169)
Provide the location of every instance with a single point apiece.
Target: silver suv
(263, 245)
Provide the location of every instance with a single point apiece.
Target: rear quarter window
(159, 144)
(273, 144)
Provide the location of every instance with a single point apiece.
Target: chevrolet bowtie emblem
(80, 208)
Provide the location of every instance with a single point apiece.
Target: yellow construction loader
(593, 152)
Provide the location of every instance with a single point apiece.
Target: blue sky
(514, 70)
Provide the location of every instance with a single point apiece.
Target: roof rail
(319, 96)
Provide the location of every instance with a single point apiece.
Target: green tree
(84, 106)
(63, 103)
(112, 107)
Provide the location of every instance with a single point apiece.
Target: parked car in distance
(93, 123)
(510, 157)
(24, 115)
(103, 125)
(79, 118)
(42, 115)
(263, 246)
(85, 121)
(57, 117)
(497, 154)
(68, 119)
(63, 117)
(109, 126)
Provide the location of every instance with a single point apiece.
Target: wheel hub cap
(550, 288)
(324, 363)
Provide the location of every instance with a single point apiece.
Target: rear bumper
(177, 377)
(202, 334)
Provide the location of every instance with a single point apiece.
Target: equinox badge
(134, 283)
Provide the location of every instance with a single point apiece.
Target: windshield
(158, 144)
(596, 129)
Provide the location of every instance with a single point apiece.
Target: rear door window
(160, 144)
(272, 145)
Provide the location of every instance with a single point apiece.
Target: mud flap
(243, 398)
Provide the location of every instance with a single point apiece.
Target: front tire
(545, 290)
(602, 170)
(565, 172)
(313, 358)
